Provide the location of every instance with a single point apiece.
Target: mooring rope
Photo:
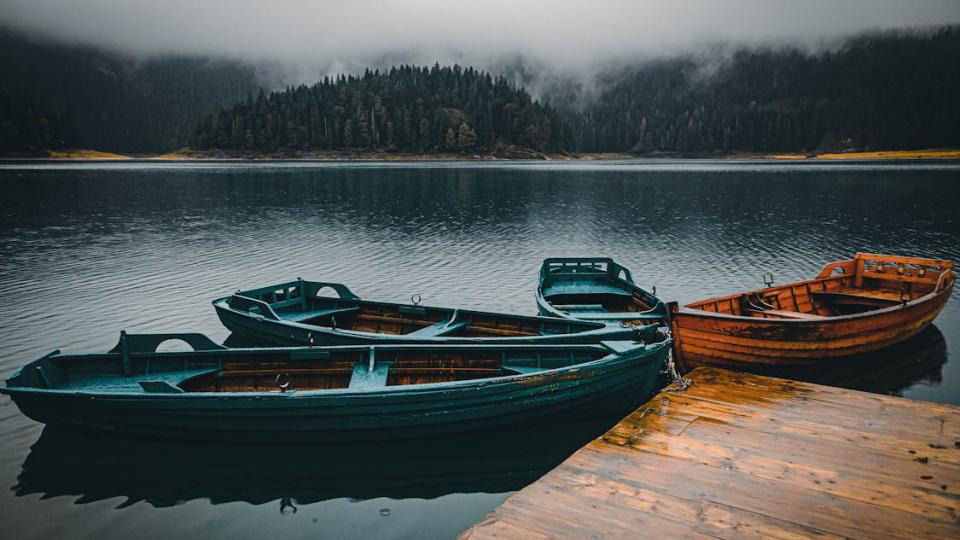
(678, 383)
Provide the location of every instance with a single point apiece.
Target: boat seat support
(364, 378)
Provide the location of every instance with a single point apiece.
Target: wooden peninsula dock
(744, 456)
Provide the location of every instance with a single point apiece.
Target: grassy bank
(929, 153)
(509, 154)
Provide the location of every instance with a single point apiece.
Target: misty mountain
(880, 90)
(28, 126)
(117, 102)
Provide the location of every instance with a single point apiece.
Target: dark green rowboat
(296, 313)
(327, 393)
(594, 289)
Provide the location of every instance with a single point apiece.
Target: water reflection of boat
(887, 371)
(96, 468)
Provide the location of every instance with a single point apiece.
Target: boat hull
(285, 333)
(596, 290)
(343, 415)
(718, 339)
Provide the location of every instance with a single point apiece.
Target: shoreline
(93, 156)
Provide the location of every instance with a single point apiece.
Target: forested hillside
(116, 102)
(888, 91)
(406, 109)
(30, 127)
(891, 90)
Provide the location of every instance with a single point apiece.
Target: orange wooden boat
(851, 307)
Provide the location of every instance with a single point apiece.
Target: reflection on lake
(98, 468)
(92, 249)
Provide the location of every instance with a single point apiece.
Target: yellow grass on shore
(84, 154)
(929, 153)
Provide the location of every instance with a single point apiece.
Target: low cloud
(562, 36)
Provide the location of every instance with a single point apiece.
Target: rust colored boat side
(800, 323)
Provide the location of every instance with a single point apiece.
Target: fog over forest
(695, 76)
(571, 39)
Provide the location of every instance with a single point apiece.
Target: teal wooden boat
(326, 393)
(317, 313)
(595, 289)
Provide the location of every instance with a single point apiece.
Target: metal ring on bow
(283, 381)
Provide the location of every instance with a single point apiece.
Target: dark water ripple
(94, 248)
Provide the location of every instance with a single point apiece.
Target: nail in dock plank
(745, 456)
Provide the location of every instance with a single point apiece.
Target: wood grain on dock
(745, 456)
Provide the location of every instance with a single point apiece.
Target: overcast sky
(562, 34)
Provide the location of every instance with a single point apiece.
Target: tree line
(116, 102)
(882, 90)
(885, 90)
(28, 126)
(405, 109)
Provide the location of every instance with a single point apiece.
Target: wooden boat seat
(164, 382)
(523, 370)
(574, 288)
(300, 316)
(852, 296)
(363, 378)
(783, 314)
(893, 296)
(442, 328)
(581, 308)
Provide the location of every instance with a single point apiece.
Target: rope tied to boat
(678, 383)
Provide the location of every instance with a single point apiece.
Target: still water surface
(90, 249)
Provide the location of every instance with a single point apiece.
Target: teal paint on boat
(294, 395)
(594, 289)
(297, 313)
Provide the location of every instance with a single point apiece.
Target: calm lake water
(91, 249)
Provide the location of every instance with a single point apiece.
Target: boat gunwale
(642, 351)
(223, 302)
(686, 310)
(594, 328)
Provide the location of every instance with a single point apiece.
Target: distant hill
(28, 126)
(405, 109)
(888, 90)
(115, 102)
(878, 91)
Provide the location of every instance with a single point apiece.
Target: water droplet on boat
(384, 512)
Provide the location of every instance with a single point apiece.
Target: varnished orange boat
(850, 308)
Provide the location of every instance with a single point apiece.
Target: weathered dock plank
(745, 456)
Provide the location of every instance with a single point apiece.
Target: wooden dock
(745, 456)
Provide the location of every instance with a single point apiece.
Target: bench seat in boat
(581, 308)
(593, 287)
(300, 316)
(364, 378)
(854, 293)
(441, 328)
(524, 370)
(783, 314)
(164, 382)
